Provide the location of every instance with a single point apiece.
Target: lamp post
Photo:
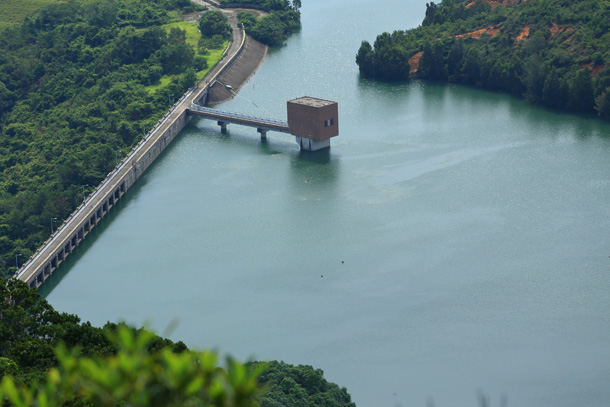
(86, 185)
(52, 219)
(171, 100)
(116, 157)
(144, 128)
(17, 262)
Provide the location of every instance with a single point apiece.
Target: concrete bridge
(262, 125)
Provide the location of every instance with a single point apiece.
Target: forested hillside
(552, 52)
(81, 81)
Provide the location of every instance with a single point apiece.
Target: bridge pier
(311, 144)
(263, 133)
(223, 126)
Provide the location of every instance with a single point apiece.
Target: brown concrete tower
(313, 121)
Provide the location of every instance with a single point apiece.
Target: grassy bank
(13, 12)
(193, 36)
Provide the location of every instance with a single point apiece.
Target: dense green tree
(602, 103)
(555, 91)
(176, 55)
(140, 374)
(269, 30)
(299, 386)
(580, 97)
(432, 63)
(214, 23)
(247, 19)
(7, 99)
(364, 59)
(455, 60)
(274, 28)
(472, 66)
(535, 76)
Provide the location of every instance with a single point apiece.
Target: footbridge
(262, 125)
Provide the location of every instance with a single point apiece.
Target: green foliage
(551, 52)
(214, 43)
(274, 28)
(247, 19)
(268, 5)
(299, 386)
(214, 23)
(13, 12)
(135, 376)
(602, 103)
(74, 90)
(30, 329)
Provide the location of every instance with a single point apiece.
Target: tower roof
(310, 101)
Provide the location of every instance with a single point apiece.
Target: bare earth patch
(525, 32)
(414, 62)
(495, 3)
(594, 69)
(477, 34)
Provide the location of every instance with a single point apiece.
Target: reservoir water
(452, 243)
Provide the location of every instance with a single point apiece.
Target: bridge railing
(265, 120)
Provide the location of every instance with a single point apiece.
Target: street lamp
(171, 100)
(144, 128)
(86, 185)
(52, 219)
(16, 262)
(116, 157)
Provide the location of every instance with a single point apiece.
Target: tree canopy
(268, 5)
(214, 23)
(552, 52)
(273, 29)
(299, 386)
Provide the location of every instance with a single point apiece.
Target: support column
(312, 145)
(263, 133)
(223, 126)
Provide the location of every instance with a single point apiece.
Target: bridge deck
(238, 118)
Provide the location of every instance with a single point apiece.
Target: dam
(312, 121)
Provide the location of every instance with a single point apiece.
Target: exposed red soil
(477, 34)
(494, 3)
(414, 62)
(525, 32)
(594, 69)
(555, 29)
